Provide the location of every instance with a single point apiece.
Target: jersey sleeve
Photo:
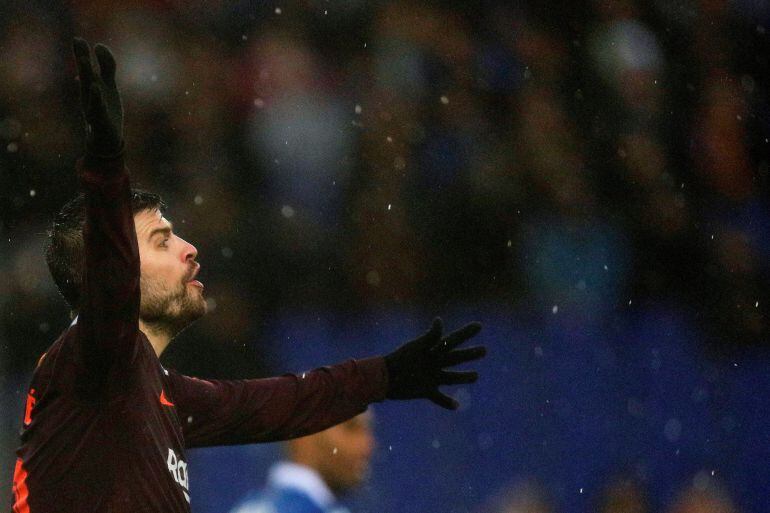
(272, 409)
(108, 313)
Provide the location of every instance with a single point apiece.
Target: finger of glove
(85, 68)
(430, 338)
(97, 110)
(463, 355)
(456, 338)
(106, 64)
(443, 400)
(457, 378)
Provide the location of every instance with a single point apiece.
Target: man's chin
(192, 310)
(198, 300)
(196, 309)
(204, 308)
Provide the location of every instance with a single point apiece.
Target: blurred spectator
(720, 154)
(299, 133)
(319, 470)
(704, 495)
(623, 495)
(524, 496)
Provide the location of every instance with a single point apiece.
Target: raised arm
(108, 310)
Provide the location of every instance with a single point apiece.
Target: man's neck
(159, 339)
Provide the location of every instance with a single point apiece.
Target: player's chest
(154, 411)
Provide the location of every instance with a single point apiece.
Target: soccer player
(317, 471)
(105, 426)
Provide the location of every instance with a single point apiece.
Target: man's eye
(163, 243)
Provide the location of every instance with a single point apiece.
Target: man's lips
(191, 280)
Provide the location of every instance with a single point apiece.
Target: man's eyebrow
(166, 230)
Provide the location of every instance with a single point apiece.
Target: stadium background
(588, 178)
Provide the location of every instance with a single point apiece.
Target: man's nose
(190, 253)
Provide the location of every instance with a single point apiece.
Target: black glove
(100, 100)
(416, 369)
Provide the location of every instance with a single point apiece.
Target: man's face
(171, 297)
(347, 449)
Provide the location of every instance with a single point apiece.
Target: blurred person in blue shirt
(317, 471)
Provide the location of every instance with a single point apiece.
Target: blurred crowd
(704, 494)
(571, 158)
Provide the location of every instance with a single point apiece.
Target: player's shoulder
(289, 500)
(255, 503)
(58, 355)
(61, 346)
(277, 500)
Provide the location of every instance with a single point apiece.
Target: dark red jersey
(106, 426)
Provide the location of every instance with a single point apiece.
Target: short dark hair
(64, 250)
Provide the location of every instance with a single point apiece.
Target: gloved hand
(416, 369)
(100, 100)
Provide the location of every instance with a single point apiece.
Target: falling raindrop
(287, 211)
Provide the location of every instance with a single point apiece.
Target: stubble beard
(169, 311)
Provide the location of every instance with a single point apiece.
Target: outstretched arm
(108, 309)
(289, 406)
(267, 410)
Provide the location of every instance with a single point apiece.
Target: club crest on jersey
(164, 400)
